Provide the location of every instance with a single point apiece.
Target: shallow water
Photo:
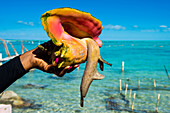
(144, 61)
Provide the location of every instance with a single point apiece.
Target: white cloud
(116, 27)
(163, 26)
(150, 30)
(31, 23)
(166, 30)
(26, 23)
(19, 21)
(135, 26)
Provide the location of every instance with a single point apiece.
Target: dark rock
(35, 86)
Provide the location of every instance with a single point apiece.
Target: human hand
(42, 58)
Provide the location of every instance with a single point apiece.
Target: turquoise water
(144, 61)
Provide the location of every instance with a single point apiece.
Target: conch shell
(75, 33)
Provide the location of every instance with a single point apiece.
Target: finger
(52, 68)
(73, 68)
(62, 72)
(42, 65)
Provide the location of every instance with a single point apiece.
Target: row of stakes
(135, 94)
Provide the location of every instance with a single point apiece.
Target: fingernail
(57, 59)
(70, 67)
(77, 65)
(67, 67)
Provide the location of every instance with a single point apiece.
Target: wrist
(27, 60)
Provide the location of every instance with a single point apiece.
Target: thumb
(44, 66)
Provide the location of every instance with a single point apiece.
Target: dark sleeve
(10, 72)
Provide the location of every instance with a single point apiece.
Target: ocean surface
(144, 61)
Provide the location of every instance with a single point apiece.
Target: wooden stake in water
(123, 85)
(123, 63)
(25, 48)
(6, 48)
(154, 83)
(120, 86)
(13, 48)
(0, 58)
(133, 101)
(166, 72)
(126, 90)
(157, 103)
(130, 95)
(22, 47)
(138, 84)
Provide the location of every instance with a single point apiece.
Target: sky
(121, 19)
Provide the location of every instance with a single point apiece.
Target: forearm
(10, 72)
